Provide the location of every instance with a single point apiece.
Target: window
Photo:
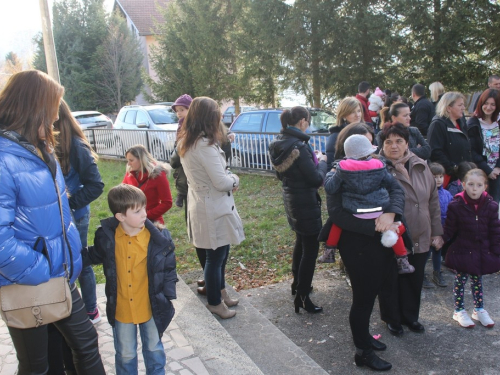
(248, 122)
(142, 118)
(163, 116)
(130, 117)
(273, 124)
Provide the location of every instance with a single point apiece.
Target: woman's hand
(384, 222)
(494, 173)
(437, 242)
(320, 155)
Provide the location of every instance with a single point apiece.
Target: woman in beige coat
(213, 222)
(423, 219)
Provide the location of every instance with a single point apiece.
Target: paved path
(181, 358)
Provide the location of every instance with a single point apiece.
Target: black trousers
(78, 331)
(401, 302)
(305, 253)
(369, 266)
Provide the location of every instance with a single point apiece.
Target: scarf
(474, 203)
(399, 164)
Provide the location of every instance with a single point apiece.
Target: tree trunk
(315, 47)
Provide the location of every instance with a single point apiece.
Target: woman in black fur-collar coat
(302, 172)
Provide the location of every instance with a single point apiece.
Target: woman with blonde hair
(349, 111)
(149, 175)
(447, 135)
(213, 223)
(38, 239)
(437, 92)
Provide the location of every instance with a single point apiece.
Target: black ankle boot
(306, 303)
(294, 288)
(371, 360)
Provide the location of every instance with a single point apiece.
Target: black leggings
(77, 330)
(369, 265)
(305, 253)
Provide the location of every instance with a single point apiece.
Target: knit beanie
(379, 92)
(183, 100)
(357, 147)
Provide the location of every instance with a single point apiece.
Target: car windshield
(321, 120)
(91, 118)
(163, 116)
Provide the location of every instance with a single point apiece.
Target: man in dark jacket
(423, 110)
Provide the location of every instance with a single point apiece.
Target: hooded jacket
(365, 189)
(32, 245)
(474, 236)
(161, 266)
(449, 145)
(293, 160)
(156, 188)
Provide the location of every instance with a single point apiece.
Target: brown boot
(221, 310)
(227, 300)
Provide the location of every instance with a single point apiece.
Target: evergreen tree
(446, 41)
(117, 63)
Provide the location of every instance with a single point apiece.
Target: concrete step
(220, 353)
(272, 351)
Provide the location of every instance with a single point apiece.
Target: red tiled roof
(142, 13)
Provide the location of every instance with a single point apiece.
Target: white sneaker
(483, 317)
(463, 319)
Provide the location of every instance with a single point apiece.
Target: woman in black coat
(370, 265)
(302, 173)
(349, 111)
(484, 135)
(447, 135)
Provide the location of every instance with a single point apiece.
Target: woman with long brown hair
(38, 240)
(84, 184)
(213, 222)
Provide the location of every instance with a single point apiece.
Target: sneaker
(483, 317)
(427, 284)
(328, 255)
(404, 265)
(463, 319)
(94, 316)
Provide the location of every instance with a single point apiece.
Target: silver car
(153, 126)
(89, 120)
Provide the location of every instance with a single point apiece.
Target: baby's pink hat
(379, 92)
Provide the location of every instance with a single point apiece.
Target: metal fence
(248, 150)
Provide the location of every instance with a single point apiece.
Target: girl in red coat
(473, 227)
(149, 175)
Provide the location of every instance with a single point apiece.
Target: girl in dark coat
(473, 228)
(302, 173)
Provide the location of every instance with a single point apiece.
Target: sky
(20, 21)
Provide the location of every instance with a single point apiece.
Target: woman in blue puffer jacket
(30, 179)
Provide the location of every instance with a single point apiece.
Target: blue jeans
(125, 337)
(436, 258)
(215, 269)
(87, 276)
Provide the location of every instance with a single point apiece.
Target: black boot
(294, 288)
(306, 303)
(371, 360)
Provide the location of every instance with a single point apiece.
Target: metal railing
(248, 150)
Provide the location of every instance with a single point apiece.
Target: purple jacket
(476, 236)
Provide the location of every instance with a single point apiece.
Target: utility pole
(48, 41)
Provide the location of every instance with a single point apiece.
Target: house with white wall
(141, 16)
